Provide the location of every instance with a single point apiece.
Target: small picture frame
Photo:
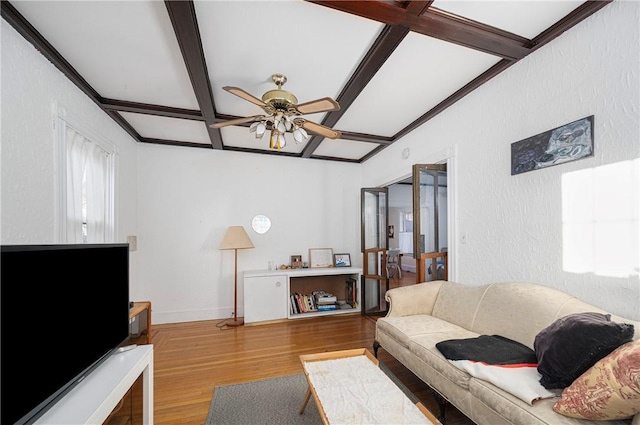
(342, 260)
(296, 261)
(320, 257)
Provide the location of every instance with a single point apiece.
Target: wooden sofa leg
(376, 345)
(442, 405)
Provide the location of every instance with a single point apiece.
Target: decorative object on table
(342, 260)
(562, 144)
(296, 261)
(320, 257)
(283, 114)
(236, 238)
(261, 224)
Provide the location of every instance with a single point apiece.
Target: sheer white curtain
(87, 189)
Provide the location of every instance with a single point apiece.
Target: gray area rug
(270, 401)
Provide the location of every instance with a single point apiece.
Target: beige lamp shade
(236, 238)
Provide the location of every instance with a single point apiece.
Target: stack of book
(325, 301)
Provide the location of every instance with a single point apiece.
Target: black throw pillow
(572, 344)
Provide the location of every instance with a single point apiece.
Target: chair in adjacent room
(393, 264)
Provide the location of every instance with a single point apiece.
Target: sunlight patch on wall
(600, 229)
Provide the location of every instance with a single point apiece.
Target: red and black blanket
(505, 363)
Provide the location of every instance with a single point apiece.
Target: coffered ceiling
(159, 68)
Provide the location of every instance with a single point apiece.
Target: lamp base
(236, 322)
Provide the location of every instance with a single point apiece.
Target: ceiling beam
(24, 28)
(576, 16)
(148, 109)
(438, 24)
(185, 25)
(386, 43)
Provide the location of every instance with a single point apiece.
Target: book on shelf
(351, 295)
(327, 307)
(301, 303)
(323, 297)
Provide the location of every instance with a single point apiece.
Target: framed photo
(320, 257)
(296, 261)
(342, 260)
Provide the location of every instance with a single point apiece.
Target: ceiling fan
(283, 114)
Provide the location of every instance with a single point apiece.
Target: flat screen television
(64, 310)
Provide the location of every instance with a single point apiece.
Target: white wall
(31, 87)
(513, 224)
(188, 198)
(179, 201)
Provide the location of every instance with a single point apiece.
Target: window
(406, 221)
(86, 185)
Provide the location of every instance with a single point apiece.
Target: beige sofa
(422, 315)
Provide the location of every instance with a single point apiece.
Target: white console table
(93, 399)
(267, 292)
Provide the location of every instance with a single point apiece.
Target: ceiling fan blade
(246, 96)
(319, 105)
(321, 130)
(234, 121)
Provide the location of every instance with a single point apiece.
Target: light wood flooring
(191, 359)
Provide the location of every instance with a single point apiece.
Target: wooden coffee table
(350, 388)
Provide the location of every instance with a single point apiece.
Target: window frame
(61, 120)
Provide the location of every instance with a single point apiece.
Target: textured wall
(32, 89)
(512, 225)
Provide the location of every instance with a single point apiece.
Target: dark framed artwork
(562, 144)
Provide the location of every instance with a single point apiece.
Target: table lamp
(236, 238)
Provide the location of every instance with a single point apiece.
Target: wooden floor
(191, 359)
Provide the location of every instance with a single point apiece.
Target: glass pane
(375, 219)
(374, 296)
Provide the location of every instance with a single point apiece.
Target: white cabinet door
(265, 298)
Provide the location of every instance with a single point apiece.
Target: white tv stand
(267, 292)
(93, 399)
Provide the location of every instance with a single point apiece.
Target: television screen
(64, 309)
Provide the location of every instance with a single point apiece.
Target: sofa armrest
(414, 299)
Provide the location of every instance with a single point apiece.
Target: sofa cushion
(572, 344)
(403, 328)
(424, 347)
(457, 303)
(610, 389)
(517, 310)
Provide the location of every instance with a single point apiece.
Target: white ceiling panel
(344, 149)
(399, 94)
(125, 50)
(156, 127)
(315, 47)
(524, 18)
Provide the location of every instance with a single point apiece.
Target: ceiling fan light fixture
(283, 114)
(300, 135)
(259, 128)
(277, 140)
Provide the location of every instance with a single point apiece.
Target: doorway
(410, 216)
